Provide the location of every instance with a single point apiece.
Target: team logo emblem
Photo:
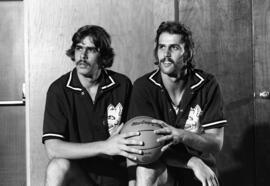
(114, 116)
(193, 123)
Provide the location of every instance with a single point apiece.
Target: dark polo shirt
(201, 107)
(71, 115)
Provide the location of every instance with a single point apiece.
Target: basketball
(151, 148)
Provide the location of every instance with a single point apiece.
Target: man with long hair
(83, 115)
(187, 102)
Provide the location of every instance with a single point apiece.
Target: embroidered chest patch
(193, 121)
(114, 116)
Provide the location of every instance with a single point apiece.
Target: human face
(170, 54)
(86, 58)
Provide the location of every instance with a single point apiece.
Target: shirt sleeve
(213, 114)
(55, 121)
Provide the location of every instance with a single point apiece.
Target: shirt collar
(155, 78)
(195, 79)
(106, 81)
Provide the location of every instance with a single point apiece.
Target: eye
(92, 49)
(161, 47)
(175, 47)
(78, 47)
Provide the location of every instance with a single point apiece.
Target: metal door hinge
(262, 95)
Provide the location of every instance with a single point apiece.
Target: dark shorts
(183, 177)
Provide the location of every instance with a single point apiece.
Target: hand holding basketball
(170, 134)
(151, 148)
(122, 144)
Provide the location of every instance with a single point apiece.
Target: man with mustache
(188, 103)
(83, 115)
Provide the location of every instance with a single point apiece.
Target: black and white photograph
(134, 92)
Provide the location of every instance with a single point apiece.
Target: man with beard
(83, 115)
(187, 102)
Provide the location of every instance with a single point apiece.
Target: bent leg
(56, 172)
(154, 174)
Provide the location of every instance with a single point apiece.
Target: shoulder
(147, 79)
(117, 75)
(59, 84)
(148, 84)
(207, 78)
(120, 78)
(207, 84)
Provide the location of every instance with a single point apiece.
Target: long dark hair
(173, 27)
(101, 39)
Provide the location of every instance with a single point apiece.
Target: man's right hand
(121, 144)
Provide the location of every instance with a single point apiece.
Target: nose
(168, 53)
(83, 54)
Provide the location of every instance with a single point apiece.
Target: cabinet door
(222, 31)
(261, 25)
(12, 116)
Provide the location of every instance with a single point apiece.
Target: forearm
(211, 141)
(61, 149)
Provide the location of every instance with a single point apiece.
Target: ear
(183, 49)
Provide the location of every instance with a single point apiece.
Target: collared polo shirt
(71, 115)
(200, 108)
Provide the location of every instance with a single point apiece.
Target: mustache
(81, 61)
(168, 59)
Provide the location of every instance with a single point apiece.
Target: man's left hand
(171, 135)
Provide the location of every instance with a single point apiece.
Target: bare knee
(155, 174)
(57, 170)
(58, 166)
(150, 174)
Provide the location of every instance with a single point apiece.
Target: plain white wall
(49, 26)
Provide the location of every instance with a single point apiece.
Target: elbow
(217, 146)
(215, 137)
(51, 155)
(214, 145)
(220, 145)
(51, 148)
(220, 140)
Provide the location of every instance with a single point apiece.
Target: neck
(89, 81)
(172, 83)
(175, 87)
